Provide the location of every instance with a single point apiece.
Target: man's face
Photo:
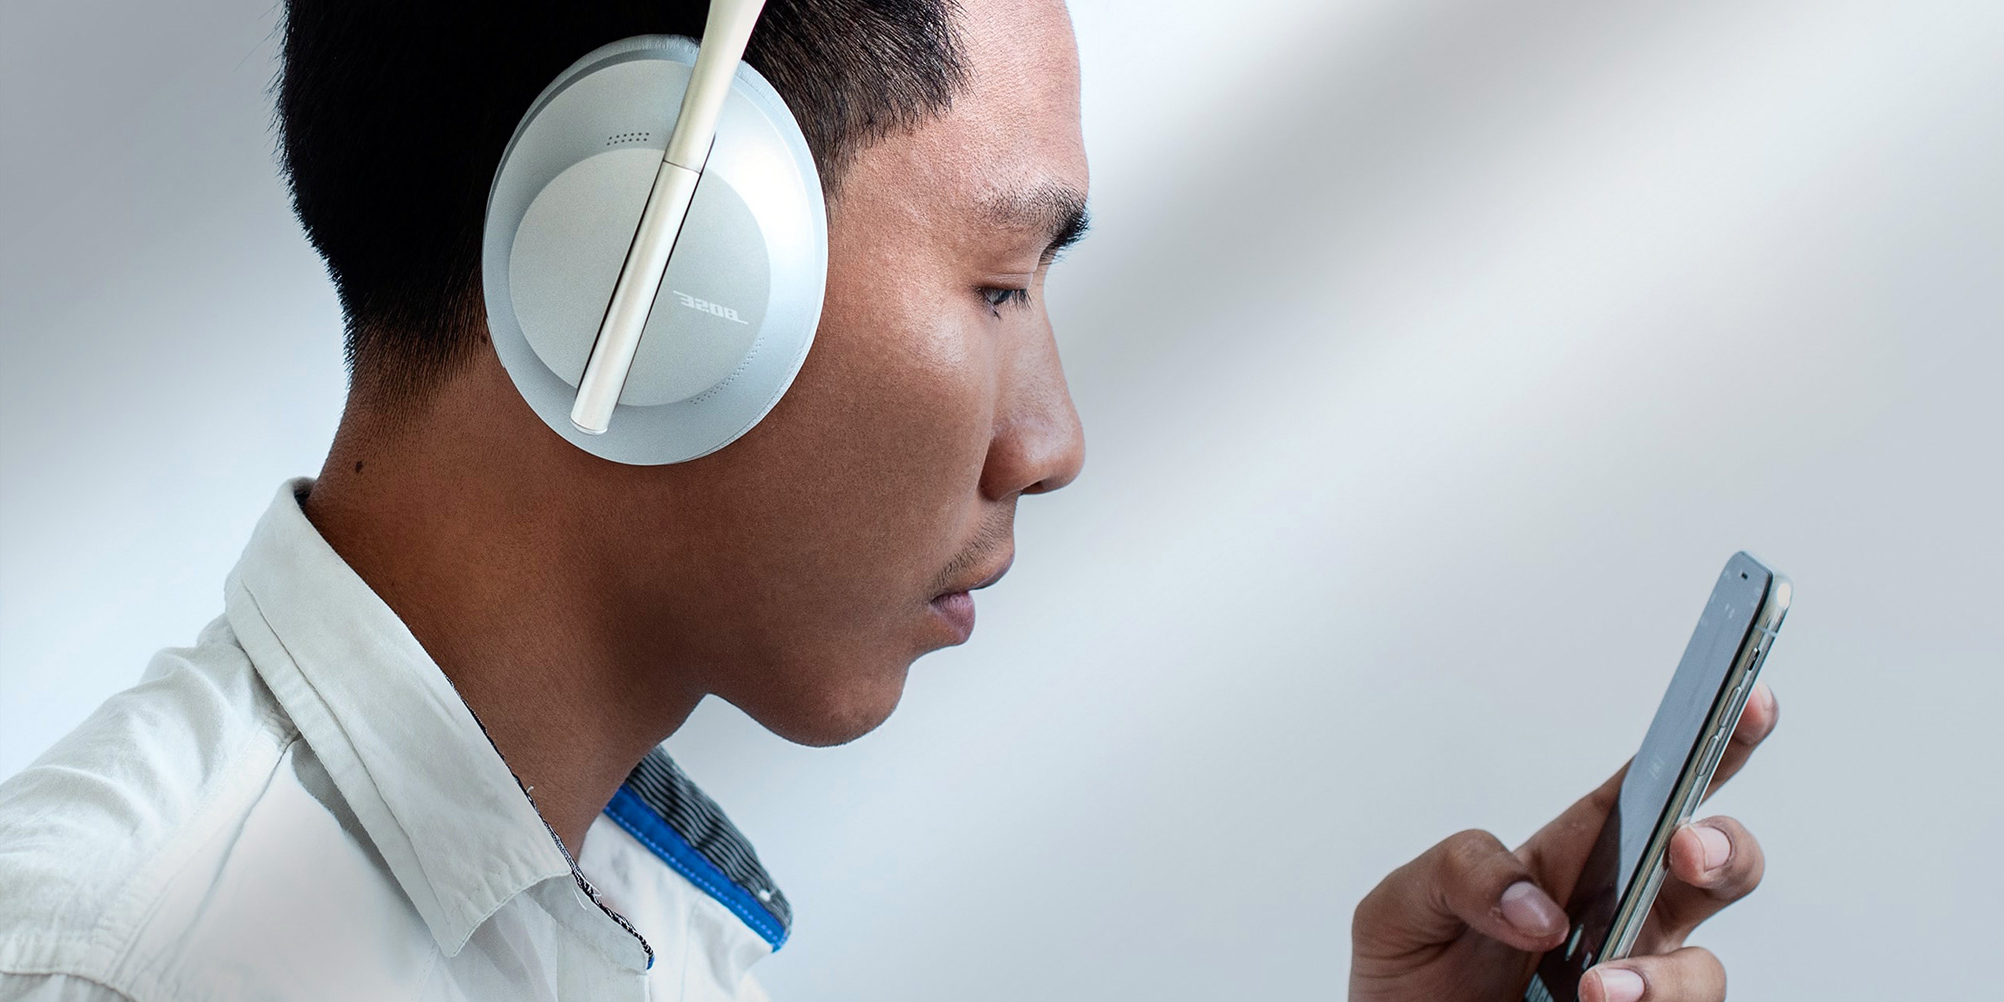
(799, 572)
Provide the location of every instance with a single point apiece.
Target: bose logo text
(714, 309)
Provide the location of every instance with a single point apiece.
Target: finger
(1691, 974)
(1713, 863)
(1756, 723)
(1469, 880)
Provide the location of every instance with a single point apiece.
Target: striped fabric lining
(664, 810)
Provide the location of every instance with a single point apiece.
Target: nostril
(1060, 464)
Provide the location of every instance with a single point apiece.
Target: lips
(1008, 559)
(956, 610)
(956, 607)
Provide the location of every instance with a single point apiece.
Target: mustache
(995, 536)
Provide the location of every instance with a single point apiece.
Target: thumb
(1468, 881)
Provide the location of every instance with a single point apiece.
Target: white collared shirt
(301, 807)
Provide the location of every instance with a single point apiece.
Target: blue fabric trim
(655, 833)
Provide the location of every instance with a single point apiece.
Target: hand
(1469, 918)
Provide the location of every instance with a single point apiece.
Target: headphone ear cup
(742, 294)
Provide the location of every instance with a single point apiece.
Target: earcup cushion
(738, 307)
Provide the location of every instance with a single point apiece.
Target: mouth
(1008, 560)
(956, 607)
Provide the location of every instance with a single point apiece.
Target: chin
(839, 709)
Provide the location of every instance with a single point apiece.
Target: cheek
(867, 473)
(901, 412)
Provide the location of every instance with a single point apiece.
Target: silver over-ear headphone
(653, 276)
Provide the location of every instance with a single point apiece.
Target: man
(417, 756)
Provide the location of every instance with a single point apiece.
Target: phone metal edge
(1722, 721)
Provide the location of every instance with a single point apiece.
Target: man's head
(799, 571)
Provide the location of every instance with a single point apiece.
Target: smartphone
(1693, 725)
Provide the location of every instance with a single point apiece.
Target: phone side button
(1713, 751)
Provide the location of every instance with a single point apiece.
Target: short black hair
(392, 116)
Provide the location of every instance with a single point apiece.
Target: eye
(997, 298)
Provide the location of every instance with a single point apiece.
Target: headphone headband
(726, 32)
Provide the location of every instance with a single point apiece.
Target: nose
(1039, 444)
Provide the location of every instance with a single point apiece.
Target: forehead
(1012, 133)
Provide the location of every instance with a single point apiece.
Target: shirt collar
(449, 818)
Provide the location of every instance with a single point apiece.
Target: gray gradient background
(1433, 353)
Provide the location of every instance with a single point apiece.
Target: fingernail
(1718, 848)
(1530, 911)
(1618, 985)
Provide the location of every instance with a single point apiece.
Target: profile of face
(800, 571)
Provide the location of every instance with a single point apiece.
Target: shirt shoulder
(182, 832)
(86, 824)
(55, 988)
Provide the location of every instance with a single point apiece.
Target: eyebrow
(1054, 209)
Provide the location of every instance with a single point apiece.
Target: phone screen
(1620, 859)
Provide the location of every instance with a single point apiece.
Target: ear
(741, 296)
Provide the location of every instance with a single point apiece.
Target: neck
(467, 522)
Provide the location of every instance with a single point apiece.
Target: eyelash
(998, 298)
